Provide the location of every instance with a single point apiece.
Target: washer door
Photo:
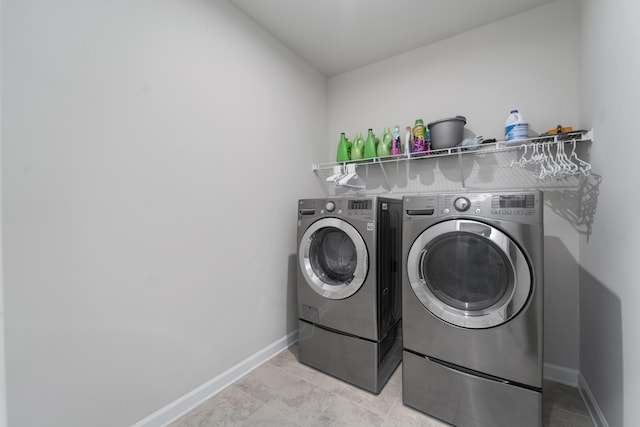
(333, 258)
(469, 274)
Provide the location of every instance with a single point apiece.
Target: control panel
(360, 208)
(520, 206)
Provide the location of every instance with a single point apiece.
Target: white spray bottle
(408, 141)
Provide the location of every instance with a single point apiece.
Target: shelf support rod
(324, 190)
(460, 165)
(384, 173)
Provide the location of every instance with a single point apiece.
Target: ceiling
(335, 36)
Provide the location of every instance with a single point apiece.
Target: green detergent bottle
(343, 149)
(384, 147)
(357, 147)
(370, 145)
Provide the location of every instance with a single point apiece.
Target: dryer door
(333, 258)
(469, 274)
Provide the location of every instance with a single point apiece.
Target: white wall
(3, 390)
(609, 291)
(153, 154)
(483, 74)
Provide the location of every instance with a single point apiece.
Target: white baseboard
(592, 405)
(184, 404)
(560, 374)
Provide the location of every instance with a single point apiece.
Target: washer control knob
(330, 206)
(462, 204)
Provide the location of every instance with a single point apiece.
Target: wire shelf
(490, 166)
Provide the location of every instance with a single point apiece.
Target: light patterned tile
(287, 394)
(288, 362)
(230, 407)
(345, 413)
(265, 382)
(396, 377)
(403, 416)
(268, 417)
(564, 397)
(285, 358)
(381, 403)
(557, 417)
(301, 402)
(324, 381)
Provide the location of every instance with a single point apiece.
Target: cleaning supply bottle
(384, 147)
(396, 147)
(419, 136)
(357, 147)
(370, 145)
(343, 149)
(515, 128)
(408, 141)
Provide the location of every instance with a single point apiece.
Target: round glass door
(469, 274)
(333, 258)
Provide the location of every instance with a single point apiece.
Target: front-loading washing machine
(349, 288)
(473, 307)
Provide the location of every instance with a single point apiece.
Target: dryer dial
(461, 204)
(330, 206)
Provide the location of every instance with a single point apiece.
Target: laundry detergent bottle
(419, 137)
(370, 145)
(515, 128)
(357, 147)
(384, 147)
(343, 149)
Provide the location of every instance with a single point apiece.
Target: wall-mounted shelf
(489, 166)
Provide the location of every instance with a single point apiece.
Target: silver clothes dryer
(473, 307)
(349, 288)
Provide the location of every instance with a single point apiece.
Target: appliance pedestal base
(464, 399)
(363, 363)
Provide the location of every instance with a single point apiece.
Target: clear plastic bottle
(515, 128)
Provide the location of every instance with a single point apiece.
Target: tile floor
(286, 393)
